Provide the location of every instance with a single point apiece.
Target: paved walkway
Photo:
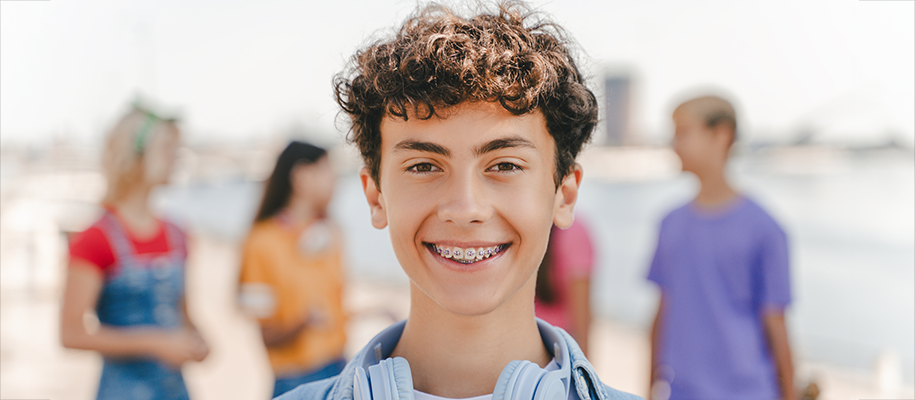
(35, 366)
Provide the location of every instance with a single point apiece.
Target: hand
(180, 346)
(201, 348)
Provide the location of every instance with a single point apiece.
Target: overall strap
(118, 239)
(175, 237)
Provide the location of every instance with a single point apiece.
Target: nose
(464, 201)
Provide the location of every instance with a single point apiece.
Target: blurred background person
(722, 266)
(128, 269)
(829, 155)
(564, 282)
(291, 277)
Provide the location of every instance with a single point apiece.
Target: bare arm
(187, 316)
(84, 283)
(204, 350)
(655, 334)
(777, 337)
(275, 334)
(580, 304)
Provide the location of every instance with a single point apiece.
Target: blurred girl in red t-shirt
(128, 269)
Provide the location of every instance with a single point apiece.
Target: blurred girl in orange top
(291, 277)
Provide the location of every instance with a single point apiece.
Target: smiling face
(478, 179)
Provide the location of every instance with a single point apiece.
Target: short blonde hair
(713, 110)
(122, 157)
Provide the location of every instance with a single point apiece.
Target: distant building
(617, 108)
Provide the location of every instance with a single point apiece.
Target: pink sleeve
(574, 253)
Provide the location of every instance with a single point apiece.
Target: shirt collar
(586, 383)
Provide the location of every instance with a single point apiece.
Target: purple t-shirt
(718, 271)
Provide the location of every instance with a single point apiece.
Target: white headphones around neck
(391, 378)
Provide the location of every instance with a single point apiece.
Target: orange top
(302, 282)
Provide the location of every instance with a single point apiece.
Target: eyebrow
(497, 144)
(417, 145)
(504, 143)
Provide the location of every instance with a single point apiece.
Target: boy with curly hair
(469, 128)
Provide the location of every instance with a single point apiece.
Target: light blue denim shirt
(587, 385)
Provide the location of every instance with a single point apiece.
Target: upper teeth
(468, 254)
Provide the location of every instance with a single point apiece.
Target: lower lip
(454, 265)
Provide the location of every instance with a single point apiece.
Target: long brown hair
(279, 186)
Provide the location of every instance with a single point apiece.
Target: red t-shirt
(93, 246)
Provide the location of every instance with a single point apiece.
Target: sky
(243, 70)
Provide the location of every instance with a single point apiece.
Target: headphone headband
(391, 378)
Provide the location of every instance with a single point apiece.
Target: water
(850, 227)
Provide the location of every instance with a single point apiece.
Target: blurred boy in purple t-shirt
(722, 267)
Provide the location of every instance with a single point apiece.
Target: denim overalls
(143, 291)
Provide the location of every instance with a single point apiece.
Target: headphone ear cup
(361, 389)
(521, 380)
(551, 387)
(506, 383)
(403, 378)
(391, 379)
(524, 380)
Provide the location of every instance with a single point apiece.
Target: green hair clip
(150, 121)
(143, 131)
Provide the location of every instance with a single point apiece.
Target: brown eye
(505, 167)
(423, 168)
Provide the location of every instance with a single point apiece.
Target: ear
(566, 196)
(724, 135)
(374, 198)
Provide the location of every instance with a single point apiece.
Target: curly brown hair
(506, 53)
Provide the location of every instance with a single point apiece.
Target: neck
(134, 211)
(301, 213)
(715, 190)
(462, 356)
